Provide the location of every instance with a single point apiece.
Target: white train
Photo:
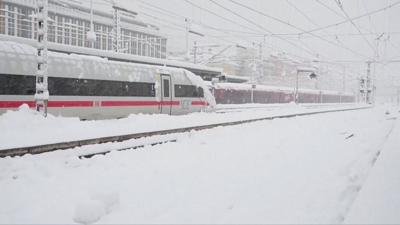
(96, 88)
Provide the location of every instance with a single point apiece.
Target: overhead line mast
(42, 92)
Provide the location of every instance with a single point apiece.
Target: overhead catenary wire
(353, 18)
(340, 5)
(254, 34)
(338, 13)
(221, 17)
(296, 27)
(312, 53)
(309, 20)
(302, 13)
(158, 9)
(180, 27)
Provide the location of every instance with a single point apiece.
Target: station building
(69, 23)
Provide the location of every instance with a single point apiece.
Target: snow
(298, 170)
(101, 53)
(379, 199)
(25, 127)
(196, 80)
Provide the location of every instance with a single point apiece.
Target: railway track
(39, 149)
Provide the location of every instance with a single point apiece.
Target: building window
(52, 28)
(164, 48)
(11, 20)
(63, 29)
(73, 31)
(80, 33)
(2, 18)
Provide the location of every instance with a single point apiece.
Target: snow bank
(92, 210)
(25, 127)
(379, 199)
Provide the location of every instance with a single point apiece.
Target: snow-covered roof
(112, 55)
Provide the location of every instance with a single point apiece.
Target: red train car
(232, 93)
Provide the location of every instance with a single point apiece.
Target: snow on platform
(25, 127)
(379, 199)
(297, 170)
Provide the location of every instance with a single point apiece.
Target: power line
(162, 9)
(261, 27)
(221, 17)
(353, 18)
(183, 28)
(293, 26)
(330, 9)
(340, 5)
(309, 20)
(170, 13)
(165, 12)
(369, 16)
(302, 13)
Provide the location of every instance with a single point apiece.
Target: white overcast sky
(303, 14)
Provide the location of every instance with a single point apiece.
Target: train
(92, 87)
(244, 93)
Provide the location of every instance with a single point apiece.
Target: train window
(188, 91)
(17, 85)
(75, 87)
(25, 85)
(166, 88)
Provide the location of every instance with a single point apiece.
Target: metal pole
(42, 92)
(368, 84)
(343, 84)
(296, 96)
(91, 16)
(117, 30)
(91, 21)
(195, 52)
(187, 38)
(398, 96)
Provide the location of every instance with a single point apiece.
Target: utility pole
(187, 22)
(42, 92)
(343, 84)
(91, 35)
(368, 86)
(117, 29)
(262, 58)
(195, 52)
(398, 96)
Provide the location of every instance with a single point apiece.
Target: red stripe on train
(60, 104)
(16, 104)
(138, 103)
(67, 104)
(199, 103)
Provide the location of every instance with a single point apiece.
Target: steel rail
(39, 149)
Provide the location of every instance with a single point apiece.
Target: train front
(208, 99)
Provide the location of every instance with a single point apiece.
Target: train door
(166, 94)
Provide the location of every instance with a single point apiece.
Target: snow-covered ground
(298, 170)
(26, 128)
(379, 199)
